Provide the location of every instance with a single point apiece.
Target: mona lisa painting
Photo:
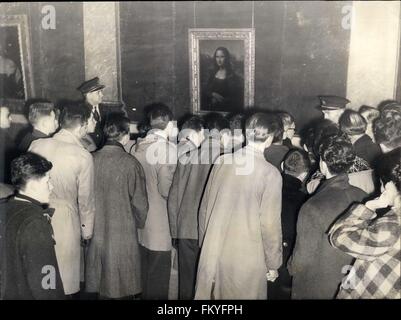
(15, 61)
(222, 69)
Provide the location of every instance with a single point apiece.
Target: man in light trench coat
(240, 220)
(72, 198)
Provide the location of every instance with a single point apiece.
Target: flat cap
(90, 86)
(333, 102)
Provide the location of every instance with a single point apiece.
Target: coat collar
(67, 136)
(45, 207)
(341, 180)
(254, 150)
(114, 144)
(292, 183)
(363, 139)
(38, 134)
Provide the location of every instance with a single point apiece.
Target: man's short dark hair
(74, 115)
(352, 123)
(325, 128)
(389, 168)
(193, 122)
(286, 118)
(40, 109)
(279, 133)
(216, 121)
(387, 129)
(296, 162)
(260, 126)
(28, 166)
(237, 122)
(337, 153)
(159, 115)
(116, 126)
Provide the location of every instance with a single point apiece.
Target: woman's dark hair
(227, 61)
(116, 126)
(28, 166)
(352, 123)
(389, 105)
(387, 129)
(337, 153)
(389, 168)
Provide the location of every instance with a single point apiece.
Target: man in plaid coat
(374, 242)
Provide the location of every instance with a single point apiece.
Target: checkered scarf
(375, 243)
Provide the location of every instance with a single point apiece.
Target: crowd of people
(251, 211)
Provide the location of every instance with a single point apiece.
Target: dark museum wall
(301, 50)
(58, 64)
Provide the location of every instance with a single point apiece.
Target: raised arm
(360, 235)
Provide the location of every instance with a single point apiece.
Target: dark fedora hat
(90, 86)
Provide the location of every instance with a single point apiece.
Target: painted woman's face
(220, 58)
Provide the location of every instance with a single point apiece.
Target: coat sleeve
(203, 218)
(308, 231)
(360, 235)
(40, 262)
(172, 203)
(86, 196)
(166, 171)
(138, 194)
(270, 222)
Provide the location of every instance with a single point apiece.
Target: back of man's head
(116, 126)
(296, 162)
(74, 115)
(159, 116)
(194, 123)
(38, 110)
(215, 121)
(352, 123)
(237, 123)
(337, 153)
(260, 126)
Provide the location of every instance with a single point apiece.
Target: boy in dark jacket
(29, 269)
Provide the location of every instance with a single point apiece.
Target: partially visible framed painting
(15, 59)
(222, 69)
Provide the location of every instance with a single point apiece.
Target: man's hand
(385, 200)
(272, 275)
(312, 185)
(85, 242)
